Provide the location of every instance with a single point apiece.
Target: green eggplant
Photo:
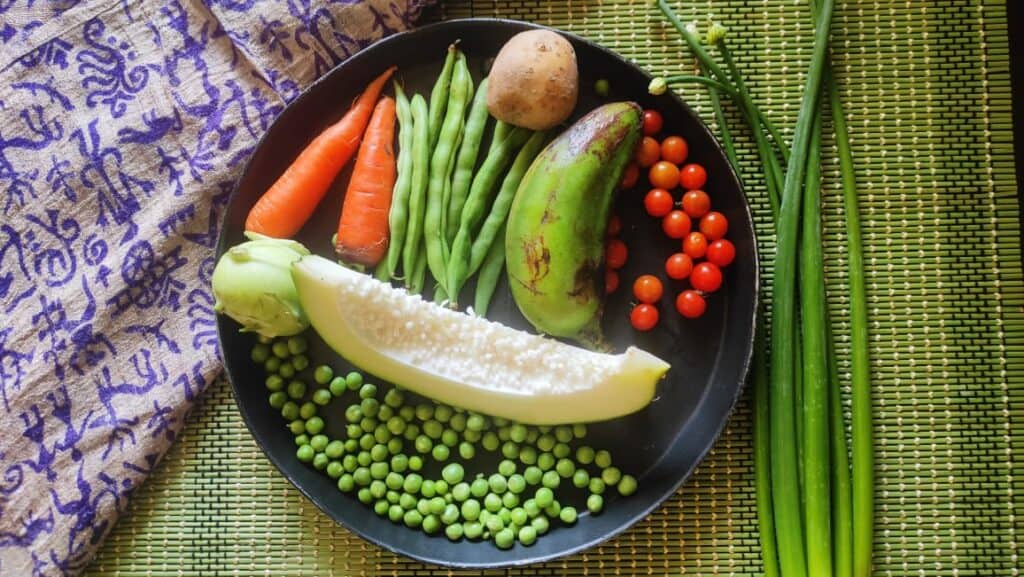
(555, 240)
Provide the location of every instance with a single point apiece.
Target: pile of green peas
(389, 444)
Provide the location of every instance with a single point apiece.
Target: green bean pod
(418, 188)
(468, 152)
(398, 218)
(414, 280)
(439, 165)
(490, 273)
(439, 96)
(498, 157)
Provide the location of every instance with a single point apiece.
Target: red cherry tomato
(696, 203)
(647, 152)
(690, 304)
(652, 122)
(721, 252)
(658, 202)
(706, 277)
(695, 245)
(611, 281)
(676, 224)
(664, 174)
(631, 175)
(693, 176)
(679, 266)
(616, 254)
(675, 149)
(643, 317)
(647, 289)
(714, 225)
(614, 226)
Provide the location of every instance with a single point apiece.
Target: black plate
(662, 444)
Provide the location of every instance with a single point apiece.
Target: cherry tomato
(693, 176)
(721, 252)
(695, 244)
(714, 225)
(690, 304)
(664, 174)
(652, 122)
(647, 152)
(614, 225)
(611, 281)
(643, 317)
(647, 289)
(706, 277)
(676, 224)
(696, 203)
(658, 202)
(630, 176)
(675, 149)
(679, 266)
(616, 254)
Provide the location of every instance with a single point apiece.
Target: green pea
(437, 505)
(596, 485)
(551, 480)
(277, 399)
(351, 446)
(458, 422)
(509, 500)
(299, 363)
(450, 514)
(490, 441)
(290, 411)
(433, 429)
(354, 380)
(595, 503)
(504, 434)
(366, 442)
(378, 470)
(470, 509)
(381, 508)
(475, 422)
(424, 411)
(395, 425)
(305, 453)
(517, 433)
(510, 450)
(337, 386)
(423, 506)
(348, 462)
(393, 497)
(395, 513)
(413, 519)
(504, 539)
(394, 481)
(516, 483)
(519, 517)
(286, 370)
(384, 413)
(449, 438)
(412, 483)
(561, 451)
(497, 483)
(297, 345)
(580, 478)
(353, 431)
(531, 435)
(546, 461)
(318, 442)
(565, 468)
(533, 475)
(280, 350)
(627, 485)
(473, 530)
(323, 374)
(585, 455)
(544, 497)
(394, 398)
(453, 473)
(307, 410)
(399, 463)
(603, 459)
(378, 489)
(346, 483)
(441, 486)
(602, 87)
(407, 502)
(554, 509)
(540, 524)
(494, 524)
(395, 446)
(424, 444)
(354, 414)
(427, 488)
(364, 459)
(260, 353)
(479, 487)
(368, 391)
(322, 397)
(507, 467)
(545, 443)
(274, 383)
(411, 432)
(297, 427)
(440, 453)
(611, 476)
(563, 433)
(492, 502)
(453, 532)
(406, 412)
(364, 495)
(302, 439)
(442, 413)
(415, 463)
(368, 424)
(272, 365)
(528, 455)
(466, 450)
(370, 406)
(527, 535)
(379, 453)
(579, 430)
(381, 434)
(472, 436)
(460, 492)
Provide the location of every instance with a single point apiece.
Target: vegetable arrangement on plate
(483, 180)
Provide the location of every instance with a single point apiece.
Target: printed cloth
(123, 125)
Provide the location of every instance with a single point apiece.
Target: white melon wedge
(467, 361)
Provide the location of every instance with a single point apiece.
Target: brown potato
(534, 81)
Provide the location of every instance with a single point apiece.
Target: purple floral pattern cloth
(123, 125)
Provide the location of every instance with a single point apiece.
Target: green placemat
(927, 90)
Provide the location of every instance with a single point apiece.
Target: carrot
(363, 227)
(291, 200)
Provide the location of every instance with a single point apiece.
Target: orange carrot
(290, 201)
(363, 226)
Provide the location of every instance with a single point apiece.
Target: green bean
(439, 96)
(398, 216)
(466, 162)
(440, 162)
(412, 245)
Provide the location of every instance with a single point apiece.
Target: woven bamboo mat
(927, 90)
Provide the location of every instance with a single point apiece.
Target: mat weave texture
(927, 90)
